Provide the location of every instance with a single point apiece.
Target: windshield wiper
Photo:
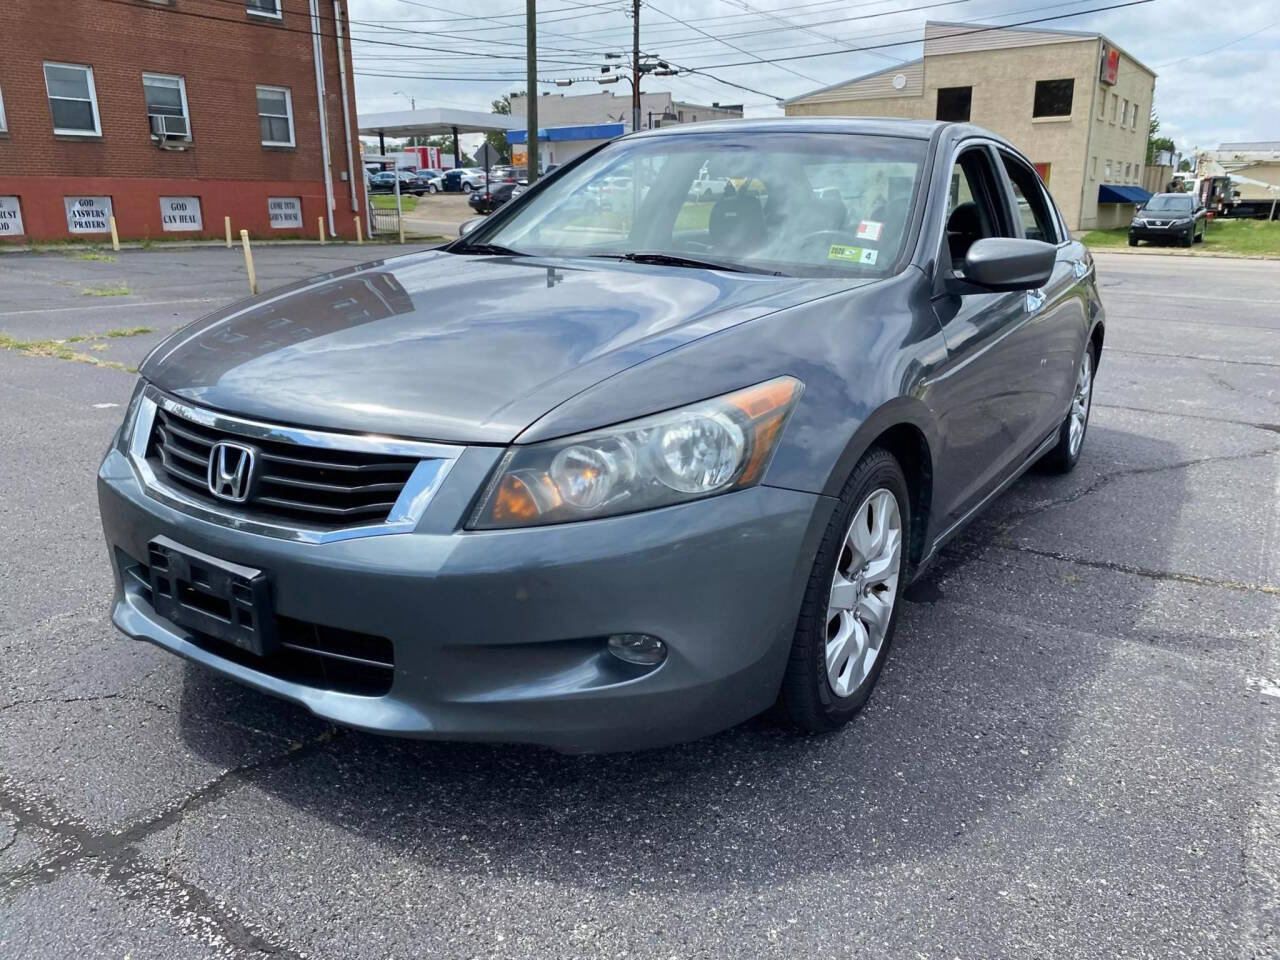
(677, 260)
(496, 249)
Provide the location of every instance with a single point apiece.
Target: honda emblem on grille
(231, 470)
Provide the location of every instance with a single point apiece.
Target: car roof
(874, 126)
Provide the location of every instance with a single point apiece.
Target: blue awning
(590, 131)
(1116, 193)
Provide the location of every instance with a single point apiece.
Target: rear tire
(1066, 452)
(851, 603)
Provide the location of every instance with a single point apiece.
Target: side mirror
(1004, 263)
(468, 225)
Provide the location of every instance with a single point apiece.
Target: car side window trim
(993, 194)
(1008, 158)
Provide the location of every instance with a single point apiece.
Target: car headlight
(1181, 221)
(1138, 222)
(707, 448)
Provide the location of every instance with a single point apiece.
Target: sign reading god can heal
(286, 212)
(88, 214)
(181, 214)
(10, 217)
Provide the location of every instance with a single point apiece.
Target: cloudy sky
(1218, 64)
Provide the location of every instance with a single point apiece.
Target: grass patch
(127, 332)
(1245, 238)
(387, 201)
(58, 350)
(114, 290)
(95, 255)
(694, 216)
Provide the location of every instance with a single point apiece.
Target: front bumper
(499, 635)
(1178, 233)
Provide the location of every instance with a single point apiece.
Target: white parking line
(116, 306)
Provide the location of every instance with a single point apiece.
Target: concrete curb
(1174, 252)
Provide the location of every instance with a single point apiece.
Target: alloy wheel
(863, 591)
(1080, 403)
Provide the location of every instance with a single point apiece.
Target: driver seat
(736, 224)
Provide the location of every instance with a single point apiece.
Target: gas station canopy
(435, 121)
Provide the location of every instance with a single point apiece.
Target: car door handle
(1035, 300)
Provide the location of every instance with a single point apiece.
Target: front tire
(851, 603)
(1066, 452)
(1133, 242)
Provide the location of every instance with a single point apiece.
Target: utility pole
(635, 65)
(531, 84)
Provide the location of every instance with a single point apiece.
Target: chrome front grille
(315, 486)
(302, 484)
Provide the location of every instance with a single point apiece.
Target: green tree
(496, 138)
(1156, 144)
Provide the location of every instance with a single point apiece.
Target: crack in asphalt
(1011, 520)
(115, 856)
(1117, 566)
(1273, 427)
(1197, 357)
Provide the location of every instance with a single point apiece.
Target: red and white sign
(870, 230)
(1110, 65)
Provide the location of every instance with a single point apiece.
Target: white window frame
(254, 12)
(288, 106)
(1106, 176)
(93, 99)
(4, 124)
(182, 94)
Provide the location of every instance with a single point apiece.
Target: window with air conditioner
(275, 116)
(166, 107)
(73, 101)
(263, 8)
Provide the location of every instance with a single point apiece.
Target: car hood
(439, 346)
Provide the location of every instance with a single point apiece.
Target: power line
(901, 43)
(732, 46)
(1202, 53)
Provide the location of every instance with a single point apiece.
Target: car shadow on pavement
(982, 690)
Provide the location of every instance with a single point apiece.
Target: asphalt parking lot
(1074, 750)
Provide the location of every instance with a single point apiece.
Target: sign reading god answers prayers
(88, 214)
(181, 214)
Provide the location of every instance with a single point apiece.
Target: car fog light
(638, 648)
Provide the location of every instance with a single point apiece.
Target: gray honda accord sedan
(624, 465)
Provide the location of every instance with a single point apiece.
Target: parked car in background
(463, 178)
(606, 482)
(432, 180)
(1169, 218)
(385, 182)
(490, 198)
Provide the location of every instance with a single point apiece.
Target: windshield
(1169, 204)
(798, 204)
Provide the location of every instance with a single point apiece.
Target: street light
(413, 104)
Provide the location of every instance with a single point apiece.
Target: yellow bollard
(115, 237)
(320, 225)
(248, 261)
(227, 221)
(359, 235)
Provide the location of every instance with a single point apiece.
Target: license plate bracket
(224, 600)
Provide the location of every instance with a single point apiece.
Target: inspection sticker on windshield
(839, 251)
(870, 230)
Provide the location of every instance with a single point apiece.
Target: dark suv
(1169, 217)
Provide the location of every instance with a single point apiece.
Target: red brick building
(173, 114)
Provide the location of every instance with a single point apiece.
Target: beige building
(1075, 103)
